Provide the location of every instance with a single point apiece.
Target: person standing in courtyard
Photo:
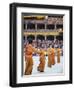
(52, 55)
(49, 57)
(42, 60)
(58, 55)
(28, 57)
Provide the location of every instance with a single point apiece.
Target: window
(30, 26)
(59, 26)
(24, 26)
(40, 26)
(50, 26)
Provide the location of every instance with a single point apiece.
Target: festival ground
(57, 69)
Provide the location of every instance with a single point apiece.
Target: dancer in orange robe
(28, 58)
(42, 60)
(58, 55)
(49, 57)
(52, 56)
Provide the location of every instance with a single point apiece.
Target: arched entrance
(50, 37)
(31, 37)
(40, 37)
(60, 37)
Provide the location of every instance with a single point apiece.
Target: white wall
(4, 45)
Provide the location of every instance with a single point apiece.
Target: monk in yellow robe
(42, 60)
(49, 57)
(28, 58)
(58, 55)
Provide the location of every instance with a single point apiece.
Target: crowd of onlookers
(47, 44)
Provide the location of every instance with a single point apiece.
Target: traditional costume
(58, 55)
(28, 59)
(42, 61)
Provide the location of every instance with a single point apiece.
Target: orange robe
(52, 56)
(28, 59)
(49, 57)
(42, 61)
(58, 55)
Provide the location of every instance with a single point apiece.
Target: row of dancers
(29, 50)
